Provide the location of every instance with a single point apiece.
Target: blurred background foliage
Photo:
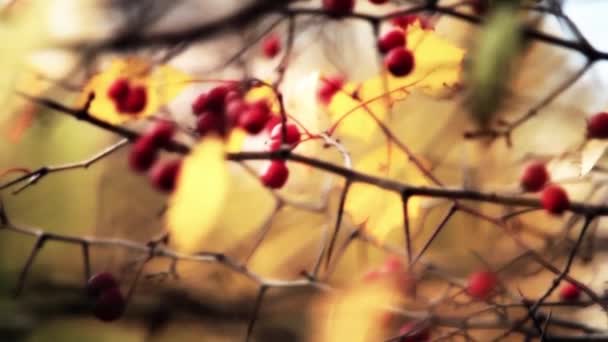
(207, 303)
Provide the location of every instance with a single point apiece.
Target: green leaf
(498, 47)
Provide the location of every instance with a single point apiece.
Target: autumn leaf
(380, 210)
(162, 83)
(438, 68)
(21, 31)
(201, 189)
(287, 229)
(355, 315)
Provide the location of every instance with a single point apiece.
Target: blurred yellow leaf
(22, 29)
(301, 231)
(201, 189)
(248, 204)
(264, 92)
(379, 209)
(235, 140)
(162, 83)
(438, 68)
(355, 315)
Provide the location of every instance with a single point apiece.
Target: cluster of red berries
(554, 198)
(398, 60)
(145, 152)
(109, 302)
(405, 21)
(127, 98)
(481, 284)
(224, 107)
(276, 173)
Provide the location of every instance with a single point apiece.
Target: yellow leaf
(162, 83)
(199, 197)
(235, 140)
(379, 209)
(437, 68)
(248, 205)
(355, 315)
(287, 229)
(264, 92)
(22, 29)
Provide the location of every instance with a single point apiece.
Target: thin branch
(33, 177)
(256, 310)
(338, 224)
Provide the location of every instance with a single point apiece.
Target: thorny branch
(461, 326)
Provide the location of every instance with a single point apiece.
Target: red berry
(399, 61)
(275, 145)
(135, 101)
(339, 7)
(275, 175)
(273, 121)
(597, 126)
(200, 104)
(403, 280)
(481, 284)
(292, 135)
(378, 2)
(143, 154)
(163, 175)
(372, 276)
(555, 199)
(234, 109)
(162, 132)
(233, 95)
(329, 87)
(271, 46)
(394, 272)
(390, 40)
(210, 122)
(570, 292)
(263, 105)
(254, 119)
(414, 332)
(119, 89)
(99, 283)
(110, 305)
(534, 177)
(405, 21)
(392, 264)
(211, 101)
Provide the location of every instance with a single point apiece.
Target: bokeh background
(107, 200)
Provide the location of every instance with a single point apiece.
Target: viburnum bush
(332, 170)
